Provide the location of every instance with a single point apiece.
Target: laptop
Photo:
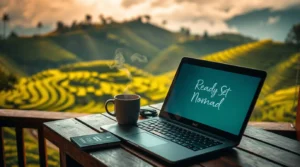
(206, 110)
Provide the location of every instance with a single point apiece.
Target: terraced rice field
(84, 87)
(75, 89)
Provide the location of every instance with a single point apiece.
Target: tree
(187, 31)
(147, 18)
(7, 81)
(13, 34)
(88, 19)
(293, 36)
(182, 30)
(39, 26)
(74, 24)
(109, 20)
(60, 26)
(139, 18)
(102, 19)
(5, 19)
(197, 37)
(205, 34)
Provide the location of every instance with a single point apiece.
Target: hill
(85, 86)
(277, 99)
(277, 59)
(30, 55)
(169, 58)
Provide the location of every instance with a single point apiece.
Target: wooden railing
(19, 120)
(298, 117)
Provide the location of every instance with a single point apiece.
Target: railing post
(42, 148)
(20, 147)
(2, 156)
(62, 158)
(298, 117)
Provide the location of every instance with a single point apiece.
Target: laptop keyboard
(181, 136)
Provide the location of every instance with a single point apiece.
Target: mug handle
(106, 103)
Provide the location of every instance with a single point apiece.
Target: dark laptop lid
(215, 97)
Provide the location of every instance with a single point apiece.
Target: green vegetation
(81, 88)
(71, 70)
(169, 58)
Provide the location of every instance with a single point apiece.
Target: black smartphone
(96, 141)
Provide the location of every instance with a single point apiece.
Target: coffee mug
(127, 108)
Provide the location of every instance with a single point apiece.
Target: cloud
(273, 20)
(129, 3)
(196, 14)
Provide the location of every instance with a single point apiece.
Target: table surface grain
(257, 148)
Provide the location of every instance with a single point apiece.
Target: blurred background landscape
(73, 55)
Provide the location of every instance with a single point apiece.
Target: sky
(198, 15)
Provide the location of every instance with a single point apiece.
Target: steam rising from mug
(119, 63)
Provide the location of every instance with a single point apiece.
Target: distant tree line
(7, 81)
(293, 36)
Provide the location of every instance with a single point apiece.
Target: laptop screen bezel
(223, 67)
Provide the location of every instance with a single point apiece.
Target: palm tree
(102, 19)
(39, 26)
(148, 18)
(88, 19)
(5, 19)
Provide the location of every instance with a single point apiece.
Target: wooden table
(257, 148)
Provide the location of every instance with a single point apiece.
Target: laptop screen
(216, 98)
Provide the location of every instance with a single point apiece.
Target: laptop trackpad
(146, 139)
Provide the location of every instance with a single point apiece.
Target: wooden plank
(273, 139)
(233, 158)
(62, 158)
(42, 148)
(109, 116)
(31, 119)
(2, 155)
(298, 116)
(243, 158)
(20, 147)
(95, 121)
(119, 157)
(273, 126)
(281, 128)
(59, 133)
(269, 152)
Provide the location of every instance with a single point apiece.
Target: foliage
(294, 35)
(70, 70)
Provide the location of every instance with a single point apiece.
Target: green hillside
(169, 58)
(277, 99)
(85, 86)
(31, 55)
(278, 59)
(158, 37)
(34, 54)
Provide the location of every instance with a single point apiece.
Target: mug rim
(137, 97)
